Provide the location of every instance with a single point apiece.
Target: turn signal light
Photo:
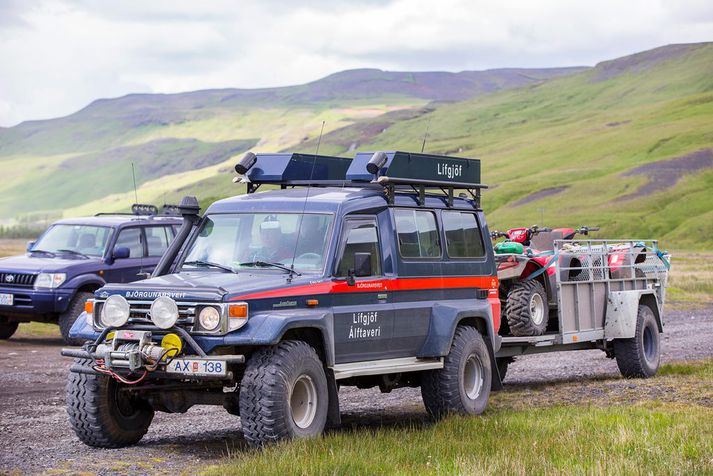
(239, 311)
(312, 302)
(89, 307)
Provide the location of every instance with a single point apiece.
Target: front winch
(135, 350)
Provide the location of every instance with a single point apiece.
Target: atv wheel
(639, 357)
(103, 415)
(7, 328)
(283, 394)
(526, 309)
(463, 384)
(69, 317)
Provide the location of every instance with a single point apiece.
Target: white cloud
(57, 56)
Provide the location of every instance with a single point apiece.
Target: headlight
(115, 311)
(209, 318)
(49, 280)
(164, 312)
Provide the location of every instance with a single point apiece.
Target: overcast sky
(56, 56)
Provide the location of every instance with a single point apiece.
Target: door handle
(382, 296)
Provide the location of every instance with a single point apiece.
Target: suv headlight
(209, 318)
(164, 312)
(115, 311)
(49, 280)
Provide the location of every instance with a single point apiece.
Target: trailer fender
(622, 311)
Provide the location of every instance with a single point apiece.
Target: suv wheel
(526, 309)
(102, 414)
(640, 356)
(69, 317)
(7, 328)
(283, 394)
(463, 384)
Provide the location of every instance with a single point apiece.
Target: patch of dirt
(547, 192)
(37, 437)
(666, 173)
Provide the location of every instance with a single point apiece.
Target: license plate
(200, 368)
(6, 299)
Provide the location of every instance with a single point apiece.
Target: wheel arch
(650, 301)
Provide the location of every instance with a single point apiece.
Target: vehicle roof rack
(393, 171)
(147, 210)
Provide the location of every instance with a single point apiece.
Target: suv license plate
(6, 299)
(204, 368)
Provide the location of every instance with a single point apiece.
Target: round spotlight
(209, 318)
(245, 163)
(115, 311)
(164, 312)
(377, 161)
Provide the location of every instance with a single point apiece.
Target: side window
(157, 239)
(362, 237)
(131, 238)
(418, 234)
(463, 238)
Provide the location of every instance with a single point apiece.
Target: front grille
(17, 280)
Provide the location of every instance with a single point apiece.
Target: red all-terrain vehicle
(527, 275)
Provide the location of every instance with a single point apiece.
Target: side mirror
(121, 252)
(30, 245)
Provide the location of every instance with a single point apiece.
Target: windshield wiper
(42, 251)
(74, 253)
(265, 264)
(210, 264)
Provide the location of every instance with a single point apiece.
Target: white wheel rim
(537, 309)
(303, 401)
(473, 377)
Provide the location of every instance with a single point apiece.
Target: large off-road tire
(526, 309)
(101, 414)
(69, 317)
(462, 386)
(283, 394)
(640, 356)
(7, 328)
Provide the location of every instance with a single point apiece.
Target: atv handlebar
(586, 229)
(495, 234)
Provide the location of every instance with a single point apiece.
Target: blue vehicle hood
(37, 263)
(204, 285)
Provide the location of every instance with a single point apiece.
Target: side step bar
(386, 366)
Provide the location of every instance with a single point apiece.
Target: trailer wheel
(283, 394)
(69, 317)
(463, 384)
(7, 328)
(102, 415)
(640, 356)
(526, 309)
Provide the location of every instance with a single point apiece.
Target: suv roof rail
(394, 171)
(147, 210)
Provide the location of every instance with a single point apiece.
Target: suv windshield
(75, 239)
(261, 241)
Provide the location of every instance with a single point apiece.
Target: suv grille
(17, 280)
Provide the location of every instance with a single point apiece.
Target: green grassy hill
(626, 145)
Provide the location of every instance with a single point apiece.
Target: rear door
(363, 316)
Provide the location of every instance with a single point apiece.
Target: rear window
(463, 238)
(417, 233)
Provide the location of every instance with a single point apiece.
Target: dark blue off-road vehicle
(75, 257)
(371, 272)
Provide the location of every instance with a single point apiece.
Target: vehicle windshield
(261, 241)
(74, 239)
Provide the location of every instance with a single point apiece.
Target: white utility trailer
(610, 296)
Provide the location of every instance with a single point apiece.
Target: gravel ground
(35, 436)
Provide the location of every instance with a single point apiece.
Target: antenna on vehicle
(304, 205)
(425, 135)
(133, 175)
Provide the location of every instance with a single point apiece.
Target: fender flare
(84, 279)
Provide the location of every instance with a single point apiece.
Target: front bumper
(28, 301)
(130, 351)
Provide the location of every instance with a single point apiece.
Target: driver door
(363, 315)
